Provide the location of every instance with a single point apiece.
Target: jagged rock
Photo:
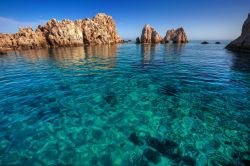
(149, 35)
(177, 36)
(25, 38)
(64, 33)
(99, 30)
(137, 40)
(242, 43)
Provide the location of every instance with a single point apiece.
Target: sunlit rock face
(242, 43)
(25, 38)
(64, 33)
(149, 35)
(99, 30)
(177, 36)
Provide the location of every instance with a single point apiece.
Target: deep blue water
(125, 105)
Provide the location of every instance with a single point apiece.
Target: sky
(201, 19)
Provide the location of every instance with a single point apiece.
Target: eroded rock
(242, 43)
(99, 30)
(177, 36)
(149, 35)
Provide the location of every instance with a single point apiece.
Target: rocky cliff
(99, 30)
(177, 36)
(242, 43)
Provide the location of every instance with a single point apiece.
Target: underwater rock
(242, 43)
(152, 155)
(168, 90)
(97, 134)
(135, 139)
(165, 147)
(111, 99)
(188, 161)
(139, 160)
(106, 160)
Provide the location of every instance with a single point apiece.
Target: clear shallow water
(125, 105)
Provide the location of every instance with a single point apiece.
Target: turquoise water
(125, 105)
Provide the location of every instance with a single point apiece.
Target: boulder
(242, 43)
(177, 36)
(99, 30)
(204, 42)
(149, 35)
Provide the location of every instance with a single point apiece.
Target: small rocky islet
(150, 35)
(101, 29)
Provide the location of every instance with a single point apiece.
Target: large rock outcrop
(99, 30)
(242, 43)
(149, 35)
(177, 36)
(64, 33)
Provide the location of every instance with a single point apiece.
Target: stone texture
(99, 30)
(149, 35)
(177, 36)
(64, 33)
(242, 43)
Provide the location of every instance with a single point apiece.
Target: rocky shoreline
(99, 30)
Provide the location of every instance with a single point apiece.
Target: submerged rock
(242, 43)
(165, 147)
(149, 35)
(99, 30)
(152, 156)
(217, 42)
(177, 36)
(135, 139)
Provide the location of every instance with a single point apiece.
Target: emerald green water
(125, 105)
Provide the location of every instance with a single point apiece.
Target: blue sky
(202, 19)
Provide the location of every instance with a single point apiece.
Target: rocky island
(99, 30)
(242, 43)
(149, 35)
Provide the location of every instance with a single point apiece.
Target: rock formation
(99, 30)
(149, 35)
(64, 33)
(205, 42)
(137, 41)
(177, 36)
(242, 43)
